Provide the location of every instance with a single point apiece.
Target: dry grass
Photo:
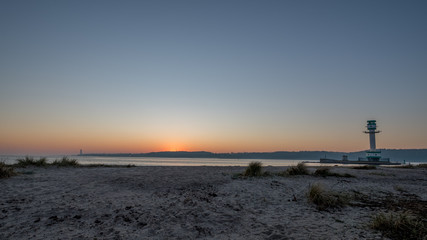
(365, 167)
(325, 172)
(29, 161)
(6, 171)
(65, 162)
(400, 225)
(300, 169)
(424, 165)
(324, 198)
(253, 170)
(42, 162)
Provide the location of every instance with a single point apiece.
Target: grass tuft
(325, 172)
(42, 162)
(365, 167)
(66, 162)
(254, 169)
(322, 171)
(300, 169)
(399, 225)
(324, 198)
(29, 161)
(423, 165)
(6, 171)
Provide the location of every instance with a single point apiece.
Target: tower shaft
(372, 140)
(373, 154)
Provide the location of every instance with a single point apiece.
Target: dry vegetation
(42, 162)
(401, 225)
(399, 216)
(300, 169)
(65, 162)
(29, 161)
(365, 167)
(325, 198)
(325, 172)
(424, 165)
(253, 170)
(6, 171)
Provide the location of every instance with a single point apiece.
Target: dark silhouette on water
(410, 155)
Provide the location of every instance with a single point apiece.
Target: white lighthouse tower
(372, 154)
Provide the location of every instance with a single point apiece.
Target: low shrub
(365, 167)
(254, 169)
(65, 162)
(325, 172)
(300, 169)
(6, 171)
(324, 198)
(401, 225)
(29, 161)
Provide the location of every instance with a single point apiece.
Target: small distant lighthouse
(372, 154)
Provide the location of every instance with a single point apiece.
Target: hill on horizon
(394, 155)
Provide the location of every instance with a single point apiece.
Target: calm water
(144, 161)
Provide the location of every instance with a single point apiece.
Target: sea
(158, 161)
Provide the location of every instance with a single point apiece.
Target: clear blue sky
(222, 76)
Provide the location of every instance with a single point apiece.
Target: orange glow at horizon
(114, 144)
(55, 146)
(62, 140)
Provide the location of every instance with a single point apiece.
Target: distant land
(395, 155)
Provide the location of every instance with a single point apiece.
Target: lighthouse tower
(372, 154)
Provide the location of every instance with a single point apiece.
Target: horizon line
(199, 151)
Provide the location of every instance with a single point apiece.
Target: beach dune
(194, 202)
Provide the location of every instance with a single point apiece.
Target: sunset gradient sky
(220, 76)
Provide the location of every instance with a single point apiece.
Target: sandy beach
(198, 203)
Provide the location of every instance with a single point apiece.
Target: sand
(195, 203)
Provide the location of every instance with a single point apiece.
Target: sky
(220, 76)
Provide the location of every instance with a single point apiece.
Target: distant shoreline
(393, 154)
